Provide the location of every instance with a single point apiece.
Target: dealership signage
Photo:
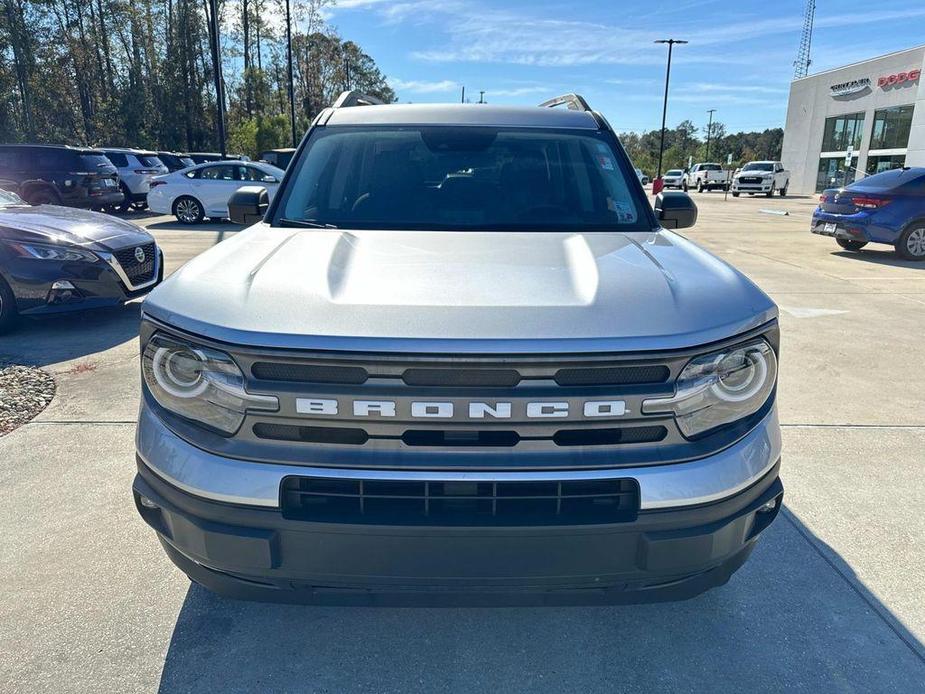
(850, 87)
(900, 78)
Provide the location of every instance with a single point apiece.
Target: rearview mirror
(248, 205)
(675, 210)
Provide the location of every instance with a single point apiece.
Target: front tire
(783, 191)
(699, 186)
(8, 313)
(684, 186)
(188, 210)
(911, 245)
(851, 245)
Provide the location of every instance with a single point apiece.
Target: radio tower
(802, 63)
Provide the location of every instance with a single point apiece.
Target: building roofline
(861, 62)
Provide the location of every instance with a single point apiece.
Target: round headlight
(720, 388)
(740, 375)
(178, 370)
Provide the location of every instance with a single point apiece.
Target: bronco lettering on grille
(469, 410)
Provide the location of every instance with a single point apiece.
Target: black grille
(402, 502)
(498, 378)
(355, 436)
(613, 375)
(288, 432)
(137, 272)
(749, 179)
(309, 373)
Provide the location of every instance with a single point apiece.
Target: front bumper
(94, 285)
(752, 187)
(220, 521)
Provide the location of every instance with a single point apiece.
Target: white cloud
(422, 86)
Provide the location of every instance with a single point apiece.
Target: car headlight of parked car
(199, 383)
(59, 253)
(720, 388)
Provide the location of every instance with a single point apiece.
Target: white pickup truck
(706, 176)
(761, 177)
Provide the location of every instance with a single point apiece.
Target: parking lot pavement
(832, 600)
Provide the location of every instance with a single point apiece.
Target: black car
(278, 157)
(175, 161)
(55, 259)
(59, 175)
(204, 157)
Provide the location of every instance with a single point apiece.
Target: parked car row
(107, 178)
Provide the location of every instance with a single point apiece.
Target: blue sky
(739, 60)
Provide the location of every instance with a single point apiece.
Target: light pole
(217, 71)
(289, 61)
(709, 131)
(661, 146)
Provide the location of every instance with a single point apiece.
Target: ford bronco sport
(459, 355)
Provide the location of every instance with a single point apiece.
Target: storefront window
(891, 128)
(834, 174)
(877, 164)
(842, 132)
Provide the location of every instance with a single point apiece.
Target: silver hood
(459, 292)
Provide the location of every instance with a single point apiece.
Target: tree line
(685, 141)
(139, 72)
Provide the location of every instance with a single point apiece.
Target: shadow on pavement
(794, 617)
(881, 257)
(54, 339)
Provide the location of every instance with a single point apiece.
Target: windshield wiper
(305, 223)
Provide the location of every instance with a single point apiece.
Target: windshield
(96, 162)
(463, 178)
(150, 161)
(8, 199)
(674, 172)
(758, 166)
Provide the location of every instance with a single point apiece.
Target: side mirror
(248, 205)
(675, 210)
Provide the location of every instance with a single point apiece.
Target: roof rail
(355, 98)
(575, 102)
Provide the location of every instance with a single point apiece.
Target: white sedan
(203, 191)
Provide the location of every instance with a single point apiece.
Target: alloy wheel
(187, 211)
(915, 243)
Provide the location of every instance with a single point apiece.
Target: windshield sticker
(605, 162)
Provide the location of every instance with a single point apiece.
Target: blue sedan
(888, 207)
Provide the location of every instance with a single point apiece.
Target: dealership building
(871, 114)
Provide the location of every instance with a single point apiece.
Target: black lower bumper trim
(257, 554)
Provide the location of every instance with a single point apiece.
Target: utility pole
(661, 146)
(481, 96)
(217, 71)
(462, 98)
(289, 60)
(709, 132)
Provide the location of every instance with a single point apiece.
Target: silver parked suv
(136, 168)
(459, 356)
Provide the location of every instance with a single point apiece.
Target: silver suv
(459, 356)
(136, 168)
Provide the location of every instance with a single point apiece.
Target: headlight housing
(59, 253)
(720, 388)
(199, 383)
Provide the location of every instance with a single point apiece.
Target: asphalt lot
(832, 600)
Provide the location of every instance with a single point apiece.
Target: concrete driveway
(832, 600)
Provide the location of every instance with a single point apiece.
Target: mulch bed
(24, 392)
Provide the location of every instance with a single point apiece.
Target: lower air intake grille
(402, 502)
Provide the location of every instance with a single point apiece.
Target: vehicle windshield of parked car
(149, 160)
(900, 180)
(674, 172)
(469, 178)
(759, 166)
(8, 199)
(95, 162)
